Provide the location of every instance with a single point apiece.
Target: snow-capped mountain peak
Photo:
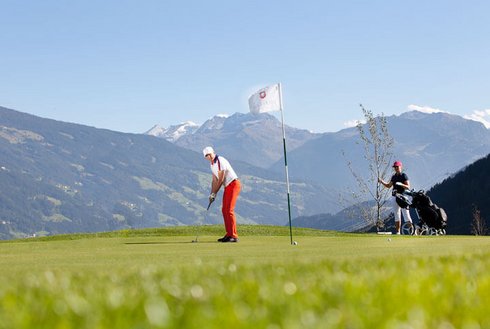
(252, 138)
(173, 133)
(156, 131)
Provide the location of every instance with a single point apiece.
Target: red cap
(397, 164)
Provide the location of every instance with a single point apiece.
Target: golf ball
(389, 239)
(295, 243)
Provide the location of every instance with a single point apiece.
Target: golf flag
(267, 99)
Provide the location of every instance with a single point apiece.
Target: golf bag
(402, 200)
(428, 212)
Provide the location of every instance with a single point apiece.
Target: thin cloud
(352, 123)
(424, 109)
(482, 116)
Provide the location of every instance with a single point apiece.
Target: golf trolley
(432, 219)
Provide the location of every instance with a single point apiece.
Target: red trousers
(228, 209)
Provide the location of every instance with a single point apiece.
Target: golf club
(199, 225)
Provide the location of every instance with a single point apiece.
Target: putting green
(160, 279)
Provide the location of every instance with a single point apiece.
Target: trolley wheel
(408, 228)
(432, 231)
(424, 230)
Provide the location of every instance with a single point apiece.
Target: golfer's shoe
(223, 239)
(228, 239)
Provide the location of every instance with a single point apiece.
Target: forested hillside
(459, 194)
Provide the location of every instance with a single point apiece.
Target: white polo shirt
(220, 164)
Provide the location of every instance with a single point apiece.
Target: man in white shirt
(223, 174)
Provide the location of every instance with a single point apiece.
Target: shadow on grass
(167, 242)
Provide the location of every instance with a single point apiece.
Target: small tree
(378, 144)
(478, 225)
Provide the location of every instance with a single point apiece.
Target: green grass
(157, 278)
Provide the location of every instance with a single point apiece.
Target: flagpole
(285, 162)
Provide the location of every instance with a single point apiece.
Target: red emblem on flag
(262, 94)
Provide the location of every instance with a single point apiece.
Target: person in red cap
(399, 181)
(223, 174)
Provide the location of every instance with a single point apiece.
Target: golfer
(399, 181)
(223, 174)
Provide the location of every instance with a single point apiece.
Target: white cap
(207, 150)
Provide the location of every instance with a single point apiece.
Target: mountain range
(432, 146)
(253, 138)
(60, 177)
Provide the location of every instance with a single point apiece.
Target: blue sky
(127, 65)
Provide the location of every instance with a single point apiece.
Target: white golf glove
(212, 197)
